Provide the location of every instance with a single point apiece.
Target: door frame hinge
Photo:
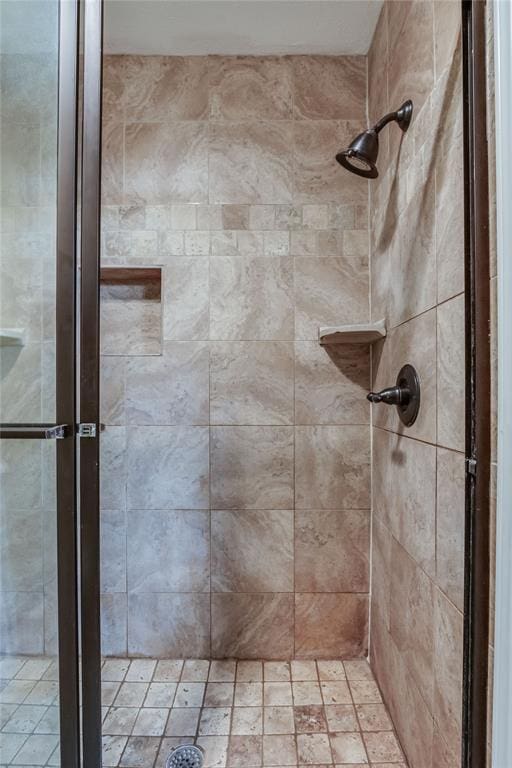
(86, 429)
(471, 466)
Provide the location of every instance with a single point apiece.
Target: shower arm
(389, 118)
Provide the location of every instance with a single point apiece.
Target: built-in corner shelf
(364, 333)
(12, 337)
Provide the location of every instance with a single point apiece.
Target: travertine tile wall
(28, 130)
(417, 286)
(236, 465)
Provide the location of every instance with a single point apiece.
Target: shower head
(361, 156)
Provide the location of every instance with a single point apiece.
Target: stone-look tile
(450, 518)
(341, 96)
(414, 343)
(310, 719)
(140, 751)
(112, 162)
(249, 672)
(447, 26)
(160, 695)
(317, 175)
(251, 383)
(235, 217)
(249, 694)
(215, 750)
(277, 694)
(341, 718)
(195, 670)
(114, 613)
(167, 625)
(21, 385)
(251, 467)
(130, 247)
(331, 383)
(186, 299)
(329, 291)
(381, 570)
(404, 477)
(245, 751)
(276, 672)
(112, 390)
(373, 717)
(449, 223)
(335, 692)
(279, 750)
(168, 671)
(331, 670)
(250, 87)
(332, 551)
(168, 551)
(162, 88)
(412, 619)
(183, 721)
(242, 289)
(332, 468)
(21, 551)
(448, 685)
(20, 149)
(314, 748)
(223, 672)
(215, 721)
(237, 148)
(21, 623)
(166, 163)
(348, 748)
(279, 720)
(306, 692)
(167, 468)
(330, 624)
(252, 551)
(131, 320)
(21, 459)
(382, 746)
(413, 267)
(451, 374)
(169, 389)
(411, 54)
(113, 551)
(378, 80)
(252, 626)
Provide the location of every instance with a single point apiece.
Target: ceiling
(250, 27)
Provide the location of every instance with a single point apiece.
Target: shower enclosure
(195, 531)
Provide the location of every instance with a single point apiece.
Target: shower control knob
(390, 396)
(405, 395)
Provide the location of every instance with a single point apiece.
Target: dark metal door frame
(478, 385)
(63, 431)
(89, 384)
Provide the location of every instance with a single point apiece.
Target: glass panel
(28, 553)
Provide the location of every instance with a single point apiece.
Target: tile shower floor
(245, 714)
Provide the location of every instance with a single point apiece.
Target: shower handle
(391, 396)
(405, 395)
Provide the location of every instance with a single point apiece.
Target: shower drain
(185, 756)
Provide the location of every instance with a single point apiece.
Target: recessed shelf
(130, 275)
(12, 337)
(363, 333)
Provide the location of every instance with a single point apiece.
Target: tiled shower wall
(236, 464)
(418, 473)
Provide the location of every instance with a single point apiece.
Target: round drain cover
(185, 756)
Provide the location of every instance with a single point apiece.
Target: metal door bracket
(471, 466)
(86, 429)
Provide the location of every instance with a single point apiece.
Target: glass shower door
(38, 552)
